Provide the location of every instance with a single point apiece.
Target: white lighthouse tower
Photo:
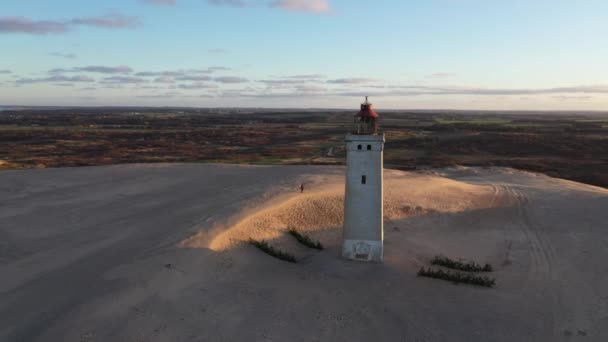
(363, 207)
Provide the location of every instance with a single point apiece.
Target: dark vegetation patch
(272, 251)
(457, 277)
(305, 240)
(460, 264)
(566, 145)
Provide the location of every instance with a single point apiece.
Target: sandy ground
(157, 253)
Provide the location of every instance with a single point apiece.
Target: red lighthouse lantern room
(366, 120)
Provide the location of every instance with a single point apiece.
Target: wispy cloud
(310, 88)
(316, 6)
(25, 25)
(198, 85)
(124, 79)
(160, 96)
(5, 71)
(354, 80)
(567, 98)
(159, 73)
(197, 78)
(165, 79)
(231, 79)
(216, 51)
(63, 55)
(313, 6)
(441, 75)
(307, 77)
(161, 2)
(414, 90)
(55, 78)
(42, 27)
(218, 68)
(233, 3)
(283, 81)
(121, 69)
(190, 74)
(114, 20)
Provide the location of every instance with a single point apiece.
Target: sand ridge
(318, 212)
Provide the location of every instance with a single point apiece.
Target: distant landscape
(567, 144)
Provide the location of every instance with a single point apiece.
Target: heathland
(570, 145)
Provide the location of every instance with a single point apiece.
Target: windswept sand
(159, 253)
(319, 211)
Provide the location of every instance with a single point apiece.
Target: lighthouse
(363, 207)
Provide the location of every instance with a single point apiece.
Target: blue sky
(460, 54)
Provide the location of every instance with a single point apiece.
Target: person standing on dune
(302, 188)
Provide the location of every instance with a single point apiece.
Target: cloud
(218, 68)
(216, 51)
(42, 27)
(455, 90)
(55, 78)
(185, 75)
(121, 69)
(198, 86)
(441, 75)
(159, 73)
(165, 79)
(283, 81)
(194, 78)
(161, 2)
(150, 87)
(24, 25)
(231, 79)
(315, 6)
(308, 88)
(114, 20)
(566, 97)
(292, 80)
(160, 96)
(355, 80)
(233, 3)
(124, 79)
(266, 94)
(63, 55)
(5, 72)
(311, 76)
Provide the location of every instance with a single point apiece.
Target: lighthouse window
(363, 179)
(359, 147)
(369, 147)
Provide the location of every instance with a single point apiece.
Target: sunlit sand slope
(318, 212)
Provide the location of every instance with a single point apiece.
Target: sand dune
(157, 253)
(319, 212)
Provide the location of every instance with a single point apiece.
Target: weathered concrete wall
(363, 207)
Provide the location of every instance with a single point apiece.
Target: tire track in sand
(541, 275)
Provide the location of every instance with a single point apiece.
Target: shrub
(268, 249)
(457, 277)
(460, 264)
(305, 240)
